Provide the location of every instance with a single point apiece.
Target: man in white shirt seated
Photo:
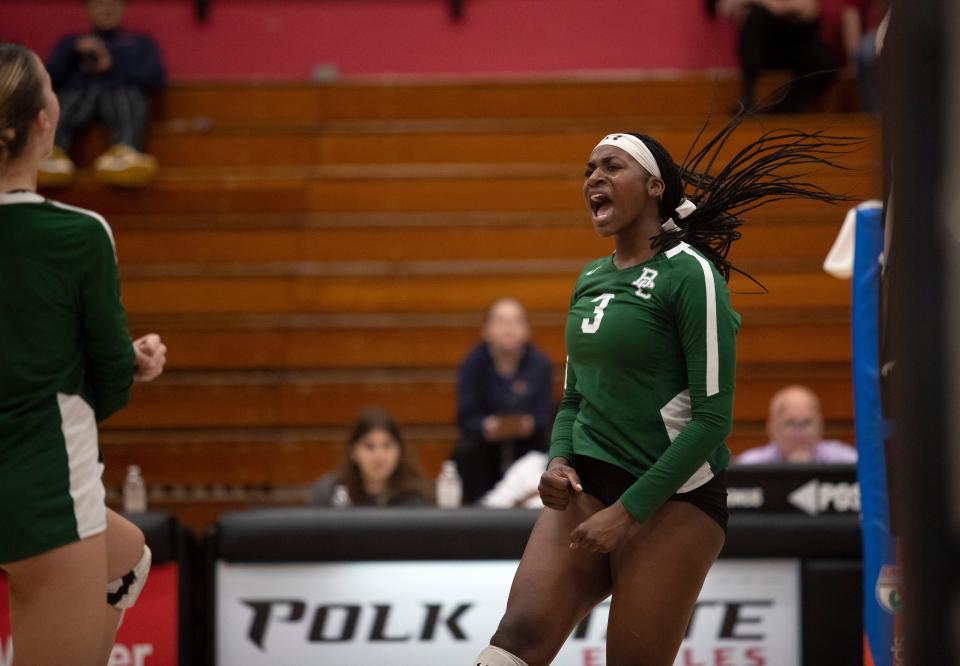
(519, 486)
(795, 428)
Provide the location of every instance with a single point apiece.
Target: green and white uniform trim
(650, 373)
(66, 362)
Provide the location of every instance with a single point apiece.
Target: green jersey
(651, 355)
(66, 362)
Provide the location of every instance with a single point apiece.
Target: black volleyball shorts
(608, 482)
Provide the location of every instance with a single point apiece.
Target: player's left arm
(110, 358)
(707, 326)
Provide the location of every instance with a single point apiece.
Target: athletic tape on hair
(634, 147)
(683, 210)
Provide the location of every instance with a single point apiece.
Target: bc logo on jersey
(645, 282)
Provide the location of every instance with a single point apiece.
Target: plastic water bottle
(341, 496)
(134, 491)
(449, 486)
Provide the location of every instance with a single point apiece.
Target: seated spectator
(504, 400)
(782, 34)
(519, 487)
(377, 469)
(860, 22)
(795, 428)
(105, 74)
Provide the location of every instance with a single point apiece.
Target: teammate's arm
(107, 346)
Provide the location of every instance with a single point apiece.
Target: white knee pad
(494, 656)
(123, 592)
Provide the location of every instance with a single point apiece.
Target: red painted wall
(286, 39)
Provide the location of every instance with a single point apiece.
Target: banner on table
(371, 613)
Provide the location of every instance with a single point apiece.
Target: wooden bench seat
(438, 292)
(437, 341)
(778, 239)
(286, 456)
(334, 397)
(516, 141)
(272, 102)
(691, 95)
(384, 188)
(231, 456)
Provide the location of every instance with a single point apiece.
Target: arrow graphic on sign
(805, 497)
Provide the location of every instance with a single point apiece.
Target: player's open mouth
(601, 206)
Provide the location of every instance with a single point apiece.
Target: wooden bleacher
(309, 250)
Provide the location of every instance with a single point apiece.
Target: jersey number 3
(592, 326)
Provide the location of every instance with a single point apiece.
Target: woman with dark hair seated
(377, 468)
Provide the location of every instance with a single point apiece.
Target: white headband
(638, 150)
(635, 148)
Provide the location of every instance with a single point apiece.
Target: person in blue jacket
(504, 399)
(105, 74)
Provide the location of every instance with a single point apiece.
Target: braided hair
(748, 180)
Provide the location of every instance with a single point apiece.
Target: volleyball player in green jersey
(66, 362)
(636, 503)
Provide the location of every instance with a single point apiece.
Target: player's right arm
(560, 479)
(561, 442)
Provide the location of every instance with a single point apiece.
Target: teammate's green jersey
(66, 361)
(651, 355)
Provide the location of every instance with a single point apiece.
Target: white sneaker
(57, 170)
(123, 166)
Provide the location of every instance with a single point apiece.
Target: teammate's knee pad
(494, 656)
(123, 592)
